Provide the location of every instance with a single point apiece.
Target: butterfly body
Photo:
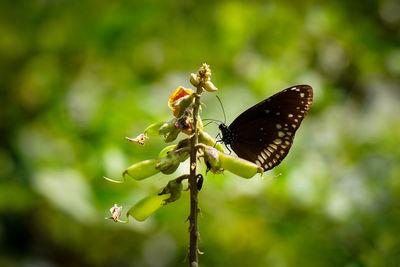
(264, 133)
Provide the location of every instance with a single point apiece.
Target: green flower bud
(239, 166)
(147, 206)
(143, 169)
(194, 80)
(210, 87)
(169, 164)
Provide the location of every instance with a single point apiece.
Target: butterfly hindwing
(267, 145)
(265, 132)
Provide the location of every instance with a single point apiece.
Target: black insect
(264, 133)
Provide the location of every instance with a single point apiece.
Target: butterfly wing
(265, 132)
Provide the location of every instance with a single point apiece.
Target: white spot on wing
(273, 146)
(277, 141)
(267, 152)
(263, 155)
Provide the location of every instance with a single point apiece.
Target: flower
(116, 213)
(177, 95)
(140, 139)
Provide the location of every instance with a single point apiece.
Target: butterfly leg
(230, 151)
(217, 140)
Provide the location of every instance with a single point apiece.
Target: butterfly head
(228, 135)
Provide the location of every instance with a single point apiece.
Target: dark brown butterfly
(264, 133)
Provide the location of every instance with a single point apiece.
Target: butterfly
(264, 133)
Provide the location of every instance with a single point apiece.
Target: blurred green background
(79, 76)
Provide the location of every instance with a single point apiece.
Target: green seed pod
(147, 206)
(194, 80)
(208, 140)
(238, 166)
(210, 87)
(154, 129)
(211, 158)
(142, 170)
(169, 164)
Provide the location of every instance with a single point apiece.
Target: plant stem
(194, 210)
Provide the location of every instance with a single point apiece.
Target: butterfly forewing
(265, 132)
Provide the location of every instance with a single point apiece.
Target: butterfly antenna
(211, 122)
(223, 110)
